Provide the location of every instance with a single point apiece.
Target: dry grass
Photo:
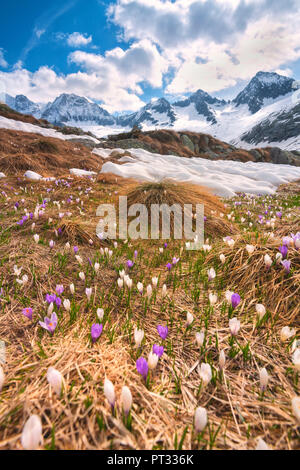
(170, 193)
(81, 417)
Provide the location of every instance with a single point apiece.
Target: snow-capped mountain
(158, 113)
(73, 109)
(262, 87)
(202, 102)
(265, 112)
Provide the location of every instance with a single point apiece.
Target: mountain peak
(264, 85)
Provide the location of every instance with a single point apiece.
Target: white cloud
(141, 62)
(77, 39)
(45, 85)
(212, 44)
(3, 62)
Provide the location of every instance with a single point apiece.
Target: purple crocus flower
(135, 253)
(96, 331)
(142, 367)
(49, 324)
(205, 218)
(287, 265)
(59, 289)
(75, 248)
(169, 266)
(129, 263)
(235, 300)
(27, 312)
(175, 260)
(158, 350)
(279, 215)
(165, 245)
(163, 331)
(50, 298)
(283, 250)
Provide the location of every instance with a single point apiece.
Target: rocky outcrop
(192, 144)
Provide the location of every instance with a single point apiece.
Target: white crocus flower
(152, 360)
(200, 338)
(205, 373)
(296, 408)
(234, 326)
(32, 433)
(260, 310)
(200, 419)
(126, 398)
(109, 392)
(138, 337)
(55, 379)
(287, 333)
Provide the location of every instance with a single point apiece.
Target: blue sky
(123, 53)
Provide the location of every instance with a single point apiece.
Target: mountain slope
(262, 87)
(263, 112)
(70, 108)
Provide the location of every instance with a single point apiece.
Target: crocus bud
(199, 338)
(88, 292)
(82, 276)
(138, 337)
(2, 377)
(205, 373)
(51, 244)
(54, 378)
(296, 359)
(222, 359)
(200, 419)
(100, 313)
(50, 309)
(140, 287)
(152, 360)
(149, 291)
(268, 261)
(211, 274)
(120, 283)
(67, 305)
(96, 267)
(154, 281)
(250, 249)
(234, 326)
(261, 445)
(164, 291)
(287, 333)
(109, 392)
(96, 331)
(126, 400)
(296, 408)
(36, 238)
(189, 319)
(263, 379)
(222, 258)
(72, 289)
(260, 310)
(213, 298)
(32, 433)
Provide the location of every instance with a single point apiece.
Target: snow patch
(225, 178)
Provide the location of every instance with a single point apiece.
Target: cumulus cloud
(211, 44)
(77, 39)
(45, 85)
(3, 62)
(140, 62)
